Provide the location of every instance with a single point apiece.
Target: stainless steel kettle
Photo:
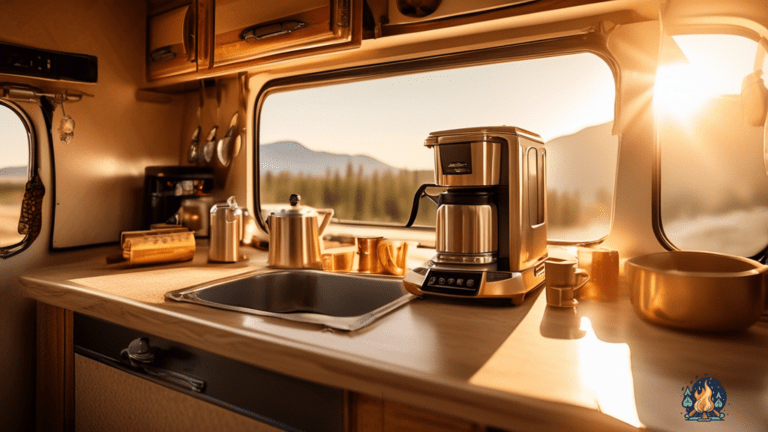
(295, 236)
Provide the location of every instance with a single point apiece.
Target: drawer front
(109, 399)
(273, 399)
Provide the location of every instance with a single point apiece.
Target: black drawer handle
(140, 356)
(253, 34)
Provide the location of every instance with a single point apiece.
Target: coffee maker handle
(420, 193)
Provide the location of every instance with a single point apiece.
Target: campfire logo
(705, 400)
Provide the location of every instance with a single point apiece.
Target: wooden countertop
(530, 367)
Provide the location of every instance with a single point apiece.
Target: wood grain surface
(598, 367)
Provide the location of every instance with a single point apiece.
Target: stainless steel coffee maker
(491, 224)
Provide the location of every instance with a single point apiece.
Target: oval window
(713, 181)
(14, 146)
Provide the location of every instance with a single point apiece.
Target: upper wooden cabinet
(251, 29)
(171, 40)
(204, 38)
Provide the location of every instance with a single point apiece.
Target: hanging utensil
(193, 156)
(223, 147)
(242, 81)
(66, 125)
(194, 147)
(210, 145)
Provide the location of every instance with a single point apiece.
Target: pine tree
(687, 401)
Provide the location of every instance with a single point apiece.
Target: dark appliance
(166, 188)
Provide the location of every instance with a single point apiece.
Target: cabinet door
(171, 47)
(251, 29)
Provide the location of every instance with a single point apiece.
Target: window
(357, 145)
(15, 147)
(713, 185)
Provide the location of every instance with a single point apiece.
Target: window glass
(14, 146)
(714, 188)
(358, 146)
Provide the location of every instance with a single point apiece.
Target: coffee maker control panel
(463, 283)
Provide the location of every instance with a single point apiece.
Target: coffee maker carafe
(491, 229)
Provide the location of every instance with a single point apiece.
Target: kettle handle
(326, 220)
(420, 193)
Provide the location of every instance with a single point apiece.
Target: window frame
(656, 216)
(11, 250)
(590, 42)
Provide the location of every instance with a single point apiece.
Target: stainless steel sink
(340, 301)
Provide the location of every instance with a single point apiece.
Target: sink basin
(340, 301)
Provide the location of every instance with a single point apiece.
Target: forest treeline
(377, 197)
(388, 196)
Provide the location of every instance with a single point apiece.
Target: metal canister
(226, 231)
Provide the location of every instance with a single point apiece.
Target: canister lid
(229, 208)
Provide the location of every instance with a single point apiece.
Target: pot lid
(296, 209)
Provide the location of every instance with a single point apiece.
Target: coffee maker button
(450, 281)
(460, 282)
(432, 280)
(441, 281)
(470, 283)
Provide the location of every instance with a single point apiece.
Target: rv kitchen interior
(383, 215)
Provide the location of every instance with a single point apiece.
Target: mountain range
(292, 156)
(14, 171)
(583, 161)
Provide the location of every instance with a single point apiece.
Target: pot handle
(326, 220)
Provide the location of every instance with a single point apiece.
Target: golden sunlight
(698, 68)
(679, 90)
(607, 369)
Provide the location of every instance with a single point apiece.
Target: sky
(389, 118)
(14, 145)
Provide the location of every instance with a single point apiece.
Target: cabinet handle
(256, 33)
(140, 356)
(163, 53)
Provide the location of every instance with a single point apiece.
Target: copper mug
(382, 256)
(564, 281)
(368, 249)
(392, 256)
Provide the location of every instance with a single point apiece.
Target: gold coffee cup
(393, 255)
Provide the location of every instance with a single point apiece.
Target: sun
(680, 90)
(698, 68)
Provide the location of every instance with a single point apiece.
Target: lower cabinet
(108, 399)
(96, 376)
(371, 414)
